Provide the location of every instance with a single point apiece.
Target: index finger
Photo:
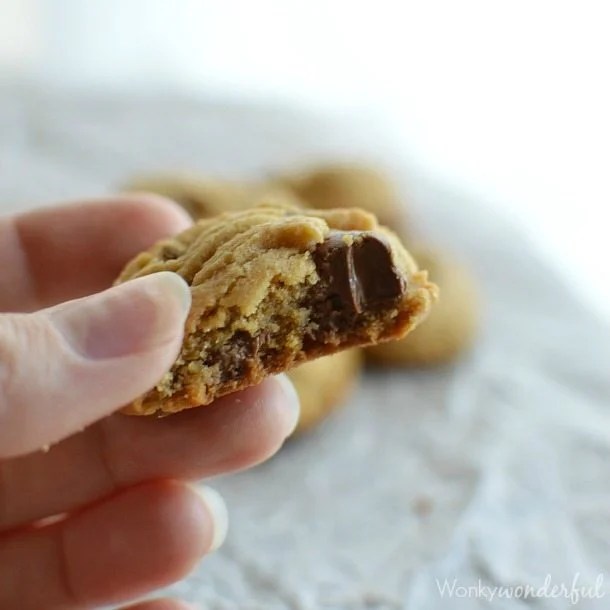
(61, 253)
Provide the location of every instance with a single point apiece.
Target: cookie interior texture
(274, 286)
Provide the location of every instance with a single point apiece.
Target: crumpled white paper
(432, 488)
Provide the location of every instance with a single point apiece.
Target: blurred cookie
(451, 326)
(336, 186)
(323, 385)
(203, 197)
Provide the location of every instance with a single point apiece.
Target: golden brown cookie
(344, 185)
(451, 326)
(324, 384)
(203, 196)
(276, 286)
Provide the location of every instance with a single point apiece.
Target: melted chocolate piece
(359, 273)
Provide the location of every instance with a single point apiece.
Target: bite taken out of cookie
(275, 286)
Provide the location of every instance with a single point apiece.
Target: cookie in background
(349, 185)
(324, 385)
(203, 196)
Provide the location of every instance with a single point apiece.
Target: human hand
(107, 513)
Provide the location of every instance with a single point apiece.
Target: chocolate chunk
(378, 278)
(358, 271)
(237, 356)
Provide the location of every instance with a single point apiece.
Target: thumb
(65, 367)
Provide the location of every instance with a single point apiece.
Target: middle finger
(236, 431)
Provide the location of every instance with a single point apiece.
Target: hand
(106, 512)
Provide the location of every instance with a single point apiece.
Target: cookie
(203, 197)
(275, 286)
(451, 326)
(324, 384)
(343, 185)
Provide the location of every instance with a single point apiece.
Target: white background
(506, 100)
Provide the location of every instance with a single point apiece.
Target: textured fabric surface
(496, 468)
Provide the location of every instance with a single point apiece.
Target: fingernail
(134, 317)
(218, 511)
(166, 284)
(292, 402)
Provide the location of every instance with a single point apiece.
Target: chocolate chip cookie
(275, 286)
(322, 384)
